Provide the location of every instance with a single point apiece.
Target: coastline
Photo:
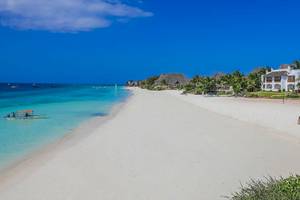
(157, 147)
(40, 155)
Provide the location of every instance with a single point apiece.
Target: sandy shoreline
(158, 146)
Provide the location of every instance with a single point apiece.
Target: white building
(285, 78)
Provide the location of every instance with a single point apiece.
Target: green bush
(224, 93)
(277, 96)
(272, 95)
(229, 93)
(270, 189)
(292, 95)
(159, 87)
(252, 95)
(198, 91)
(189, 88)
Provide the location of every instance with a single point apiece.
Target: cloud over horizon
(65, 15)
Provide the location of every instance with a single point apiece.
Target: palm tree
(209, 85)
(254, 79)
(251, 84)
(298, 84)
(149, 82)
(297, 64)
(196, 79)
(238, 82)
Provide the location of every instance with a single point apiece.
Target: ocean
(64, 108)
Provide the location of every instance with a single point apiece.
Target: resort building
(285, 78)
(132, 83)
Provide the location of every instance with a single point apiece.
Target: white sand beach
(162, 145)
(275, 114)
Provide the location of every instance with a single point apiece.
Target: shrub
(272, 95)
(277, 96)
(229, 93)
(225, 93)
(270, 189)
(292, 95)
(198, 91)
(189, 88)
(252, 95)
(184, 92)
(221, 93)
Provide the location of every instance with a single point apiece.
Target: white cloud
(65, 15)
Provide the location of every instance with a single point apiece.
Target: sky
(111, 41)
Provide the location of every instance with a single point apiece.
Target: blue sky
(108, 41)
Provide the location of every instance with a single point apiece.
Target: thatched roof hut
(172, 80)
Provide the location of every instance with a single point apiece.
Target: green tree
(190, 88)
(195, 86)
(297, 64)
(224, 82)
(208, 85)
(196, 79)
(238, 82)
(149, 82)
(251, 84)
(254, 79)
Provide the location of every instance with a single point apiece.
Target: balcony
(269, 79)
(291, 79)
(277, 79)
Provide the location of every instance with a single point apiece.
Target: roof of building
(286, 66)
(219, 75)
(172, 79)
(277, 73)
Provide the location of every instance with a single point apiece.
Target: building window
(291, 87)
(277, 87)
(277, 78)
(269, 79)
(291, 79)
(269, 86)
(264, 86)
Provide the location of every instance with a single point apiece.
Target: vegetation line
(221, 84)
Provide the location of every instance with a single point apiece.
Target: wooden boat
(23, 114)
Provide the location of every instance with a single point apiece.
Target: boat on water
(23, 115)
(34, 85)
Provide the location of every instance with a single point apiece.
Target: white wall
(284, 82)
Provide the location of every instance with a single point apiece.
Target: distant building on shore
(132, 83)
(285, 78)
(172, 80)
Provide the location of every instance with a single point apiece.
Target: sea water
(64, 106)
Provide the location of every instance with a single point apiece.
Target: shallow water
(65, 106)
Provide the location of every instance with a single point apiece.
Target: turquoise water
(65, 106)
